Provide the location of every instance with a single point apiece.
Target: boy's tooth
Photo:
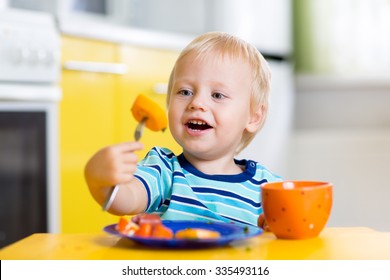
(197, 122)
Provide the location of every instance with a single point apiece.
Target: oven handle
(96, 67)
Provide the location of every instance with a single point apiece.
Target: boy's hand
(262, 223)
(112, 165)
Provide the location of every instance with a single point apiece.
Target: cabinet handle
(160, 88)
(96, 67)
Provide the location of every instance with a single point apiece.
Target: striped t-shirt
(178, 191)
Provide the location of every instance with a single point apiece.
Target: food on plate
(162, 232)
(127, 227)
(197, 233)
(140, 219)
(145, 231)
(144, 226)
(151, 226)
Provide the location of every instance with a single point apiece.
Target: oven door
(28, 169)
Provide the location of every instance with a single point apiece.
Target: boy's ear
(256, 119)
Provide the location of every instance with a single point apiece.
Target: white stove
(29, 55)
(29, 95)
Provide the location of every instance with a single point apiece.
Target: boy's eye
(185, 92)
(218, 95)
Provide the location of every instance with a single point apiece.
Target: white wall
(270, 145)
(342, 135)
(357, 163)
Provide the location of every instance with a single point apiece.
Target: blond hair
(235, 48)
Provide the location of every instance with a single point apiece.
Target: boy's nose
(198, 102)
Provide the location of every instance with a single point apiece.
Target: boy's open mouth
(197, 125)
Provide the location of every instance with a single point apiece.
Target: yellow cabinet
(87, 118)
(95, 112)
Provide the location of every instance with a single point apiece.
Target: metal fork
(139, 130)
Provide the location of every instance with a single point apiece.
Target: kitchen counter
(349, 243)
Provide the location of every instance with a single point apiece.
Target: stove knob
(25, 54)
(16, 55)
(55, 56)
(42, 56)
(33, 57)
(50, 57)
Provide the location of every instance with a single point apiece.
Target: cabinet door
(146, 69)
(87, 123)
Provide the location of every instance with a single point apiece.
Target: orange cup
(297, 209)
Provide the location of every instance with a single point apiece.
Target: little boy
(217, 101)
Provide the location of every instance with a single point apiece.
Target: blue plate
(228, 232)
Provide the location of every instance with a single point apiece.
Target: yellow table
(333, 243)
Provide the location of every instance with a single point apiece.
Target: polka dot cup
(296, 209)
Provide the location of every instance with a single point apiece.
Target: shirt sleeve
(155, 173)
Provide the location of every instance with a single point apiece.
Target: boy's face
(209, 107)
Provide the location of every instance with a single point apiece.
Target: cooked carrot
(145, 231)
(125, 226)
(162, 232)
(122, 224)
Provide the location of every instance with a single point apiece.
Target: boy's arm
(115, 165)
(130, 199)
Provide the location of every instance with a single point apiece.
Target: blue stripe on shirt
(147, 189)
(226, 194)
(187, 201)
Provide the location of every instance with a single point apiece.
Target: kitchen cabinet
(95, 112)
(87, 118)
